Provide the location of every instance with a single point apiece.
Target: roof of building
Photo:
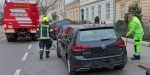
(75, 1)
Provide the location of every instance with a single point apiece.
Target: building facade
(104, 9)
(73, 10)
(122, 8)
(58, 9)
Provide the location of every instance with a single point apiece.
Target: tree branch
(45, 5)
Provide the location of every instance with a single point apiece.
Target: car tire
(70, 72)
(58, 51)
(15, 39)
(9, 39)
(119, 67)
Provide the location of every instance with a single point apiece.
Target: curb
(144, 43)
(141, 65)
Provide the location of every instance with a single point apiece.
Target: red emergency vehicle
(21, 19)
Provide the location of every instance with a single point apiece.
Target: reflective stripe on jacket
(135, 27)
(43, 32)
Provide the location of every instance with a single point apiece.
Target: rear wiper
(107, 39)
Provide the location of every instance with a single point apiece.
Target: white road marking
(17, 72)
(29, 46)
(25, 56)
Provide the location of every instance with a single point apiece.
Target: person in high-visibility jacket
(137, 31)
(43, 34)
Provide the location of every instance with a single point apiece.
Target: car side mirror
(57, 36)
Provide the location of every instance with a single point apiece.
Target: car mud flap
(10, 36)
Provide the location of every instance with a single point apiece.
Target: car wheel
(119, 67)
(58, 51)
(69, 68)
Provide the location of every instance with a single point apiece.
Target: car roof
(87, 26)
(61, 20)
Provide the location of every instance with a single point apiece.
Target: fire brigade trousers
(45, 44)
(137, 44)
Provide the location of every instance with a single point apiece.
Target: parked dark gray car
(86, 48)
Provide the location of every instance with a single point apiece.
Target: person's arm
(50, 31)
(38, 32)
(133, 26)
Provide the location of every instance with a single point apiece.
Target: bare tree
(1, 13)
(45, 5)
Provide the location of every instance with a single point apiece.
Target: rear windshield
(61, 23)
(96, 35)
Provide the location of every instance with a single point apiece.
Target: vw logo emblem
(103, 46)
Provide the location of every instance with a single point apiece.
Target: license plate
(9, 26)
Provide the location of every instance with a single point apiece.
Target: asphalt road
(22, 58)
(1, 29)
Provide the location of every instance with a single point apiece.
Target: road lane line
(29, 46)
(25, 56)
(17, 72)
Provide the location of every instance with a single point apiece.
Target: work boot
(47, 54)
(41, 55)
(136, 57)
(148, 72)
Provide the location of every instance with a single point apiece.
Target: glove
(126, 36)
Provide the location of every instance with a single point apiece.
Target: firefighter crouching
(43, 35)
(137, 30)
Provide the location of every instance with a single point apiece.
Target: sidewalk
(145, 56)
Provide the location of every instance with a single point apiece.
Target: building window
(99, 11)
(77, 15)
(108, 11)
(137, 2)
(92, 14)
(87, 13)
(70, 15)
(122, 11)
(73, 16)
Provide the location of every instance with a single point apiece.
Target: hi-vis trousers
(138, 43)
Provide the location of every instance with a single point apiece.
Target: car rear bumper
(98, 63)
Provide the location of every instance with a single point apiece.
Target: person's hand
(126, 36)
(38, 39)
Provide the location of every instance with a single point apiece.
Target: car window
(96, 35)
(62, 23)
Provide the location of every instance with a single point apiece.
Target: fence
(122, 31)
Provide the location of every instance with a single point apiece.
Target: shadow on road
(99, 72)
(19, 41)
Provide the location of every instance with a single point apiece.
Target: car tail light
(56, 29)
(80, 48)
(120, 43)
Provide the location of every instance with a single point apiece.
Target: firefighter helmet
(45, 19)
